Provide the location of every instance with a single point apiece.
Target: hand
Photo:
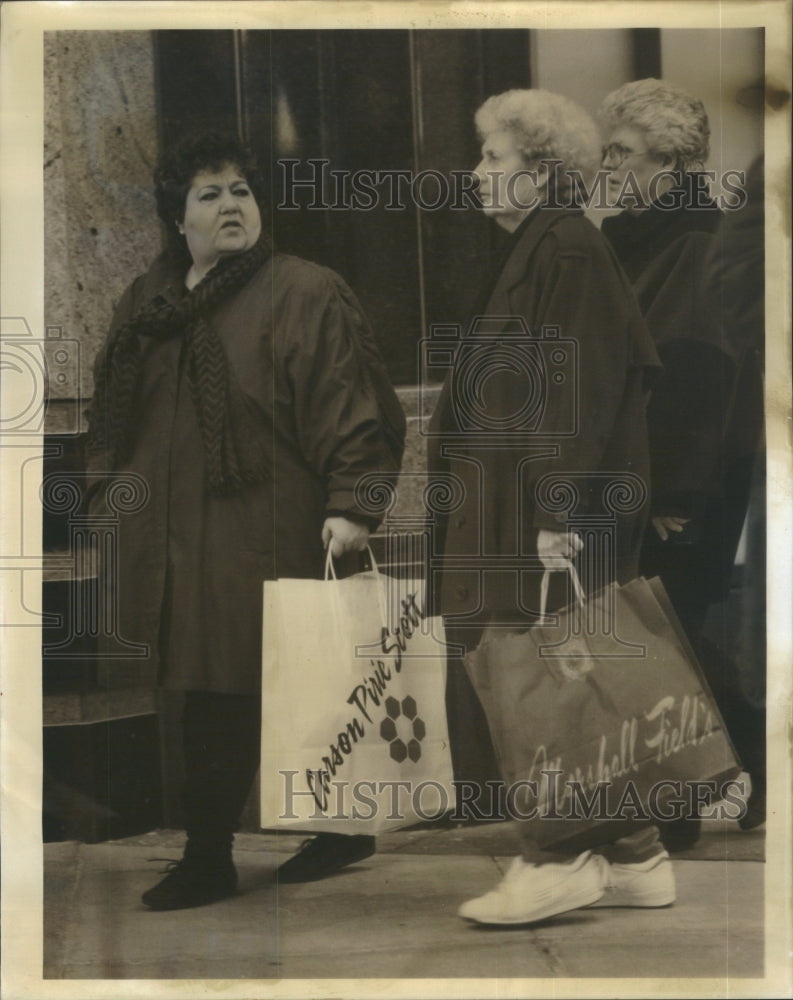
(343, 536)
(663, 525)
(556, 548)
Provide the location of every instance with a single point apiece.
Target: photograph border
(22, 290)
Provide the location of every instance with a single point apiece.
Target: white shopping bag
(354, 731)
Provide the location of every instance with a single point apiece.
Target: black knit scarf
(227, 421)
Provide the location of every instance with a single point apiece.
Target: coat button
(461, 593)
(561, 518)
(459, 522)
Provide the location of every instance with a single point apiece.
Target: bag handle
(330, 575)
(579, 590)
(330, 572)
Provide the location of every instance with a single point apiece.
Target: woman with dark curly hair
(247, 390)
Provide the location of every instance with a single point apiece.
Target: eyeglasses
(618, 153)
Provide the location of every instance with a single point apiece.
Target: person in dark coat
(706, 411)
(541, 414)
(245, 389)
(736, 272)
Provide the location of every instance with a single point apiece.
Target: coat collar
(164, 280)
(527, 239)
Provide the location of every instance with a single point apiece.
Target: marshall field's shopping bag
(602, 717)
(354, 731)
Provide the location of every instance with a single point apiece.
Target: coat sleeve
(583, 294)
(687, 418)
(96, 461)
(688, 409)
(337, 414)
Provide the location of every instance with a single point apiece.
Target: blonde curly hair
(675, 123)
(545, 126)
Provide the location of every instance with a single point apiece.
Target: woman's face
(627, 153)
(221, 216)
(506, 190)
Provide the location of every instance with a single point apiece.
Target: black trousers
(221, 734)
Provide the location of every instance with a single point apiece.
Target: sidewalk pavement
(392, 916)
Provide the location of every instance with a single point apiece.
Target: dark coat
(578, 414)
(706, 411)
(191, 565)
(665, 252)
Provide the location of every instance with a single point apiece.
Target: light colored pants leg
(632, 849)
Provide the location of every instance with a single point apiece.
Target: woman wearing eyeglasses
(705, 413)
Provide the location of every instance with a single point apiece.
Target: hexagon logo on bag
(404, 739)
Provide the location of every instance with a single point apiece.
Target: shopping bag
(601, 718)
(354, 731)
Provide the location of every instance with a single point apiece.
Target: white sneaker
(649, 883)
(534, 892)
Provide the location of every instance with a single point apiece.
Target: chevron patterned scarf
(230, 431)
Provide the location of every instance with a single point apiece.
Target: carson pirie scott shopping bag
(354, 731)
(601, 718)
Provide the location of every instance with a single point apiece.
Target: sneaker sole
(582, 899)
(605, 904)
(645, 901)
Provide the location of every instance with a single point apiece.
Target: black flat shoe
(679, 834)
(755, 809)
(192, 883)
(324, 854)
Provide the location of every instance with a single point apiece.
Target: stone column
(100, 147)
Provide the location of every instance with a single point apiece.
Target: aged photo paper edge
(22, 295)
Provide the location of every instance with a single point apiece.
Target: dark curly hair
(179, 165)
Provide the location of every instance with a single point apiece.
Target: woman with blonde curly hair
(498, 430)
(658, 138)
(705, 413)
(548, 136)
(655, 135)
